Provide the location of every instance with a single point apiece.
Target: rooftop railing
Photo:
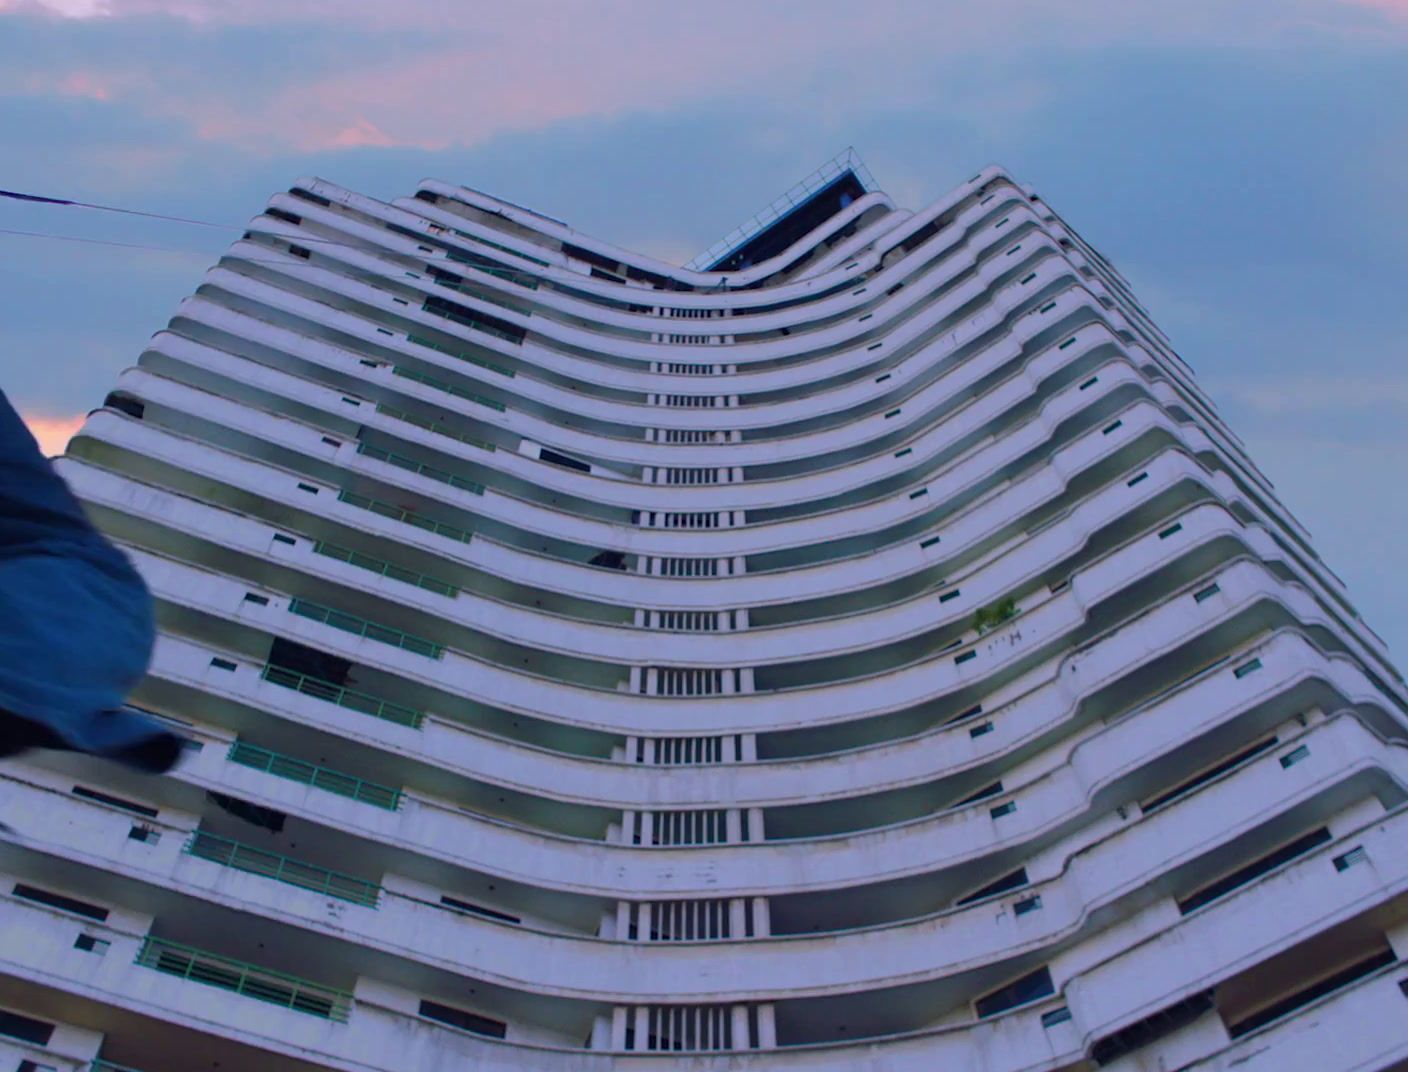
(832, 169)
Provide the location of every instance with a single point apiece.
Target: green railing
(99, 1065)
(249, 980)
(461, 355)
(470, 321)
(242, 857)
(448, 388)
(298, 770)
(432, 426)
(386, 569)
(362, 627)
(477, 291)
(410, 517)
(504, 249)
(523, 279)
(348, 698)
(413, 466)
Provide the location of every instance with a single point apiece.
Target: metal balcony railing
(242, 857)
(348, 698)
(420, 469)
(459, 355)
(325, 778)
(431, 426)
(410, 517)
(448, 388)
(248, 980)
(386, 569)
(362, 627)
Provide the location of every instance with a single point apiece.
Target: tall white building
(863, 648)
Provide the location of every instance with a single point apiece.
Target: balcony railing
(256, 861)
(459, 355)
(386, 569)
(298, 770)
(248, 980)
(504, 249)
(410, 517)
(413, 466)
(362, 627)
(432, 426)
(448, 388)
(348, 698)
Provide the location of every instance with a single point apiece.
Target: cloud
(53, 433)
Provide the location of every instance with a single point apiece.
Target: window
(112, 801)
(1011, 881)
(25, 1028)
(456, 905)
(60, 901)
(1031, 987)
(1254, 870)
(91, 944)
(464, 1020)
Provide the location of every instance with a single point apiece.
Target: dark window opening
(113, 802)
(1015, 880)
(25, 1028)
(1151, 1028)
(426, 195)
(1031, 987)
(280, 214)
(1327, 985)
(1254, 870)
(309, 662)
(597, 273)
(1186, 787)
(595, 259)
(125, 403)
(267, 818)
(563, 460)
(470, 318)
(308, 195)
(466, 1021)
(609, 559)
(60, 901)
(981, 794)
(919, 237)
(477, 910)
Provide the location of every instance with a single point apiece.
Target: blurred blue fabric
(76, 625)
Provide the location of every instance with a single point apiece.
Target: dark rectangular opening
(113, 802)
(1031, 987)
(1305, 996)
(25, 1028)
(1011, 881)
(466, 1021)
(60, 901)
(1185, 787)
(563, 460)
(477, 910)
(310, 662)
(1254, 870)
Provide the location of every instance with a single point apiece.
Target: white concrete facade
(865, 649)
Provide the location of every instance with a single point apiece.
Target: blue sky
(1245, 164)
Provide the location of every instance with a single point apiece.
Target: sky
(1244, 163)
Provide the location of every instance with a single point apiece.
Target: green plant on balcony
(990, 617)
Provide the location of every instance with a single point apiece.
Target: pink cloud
(53, 433)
